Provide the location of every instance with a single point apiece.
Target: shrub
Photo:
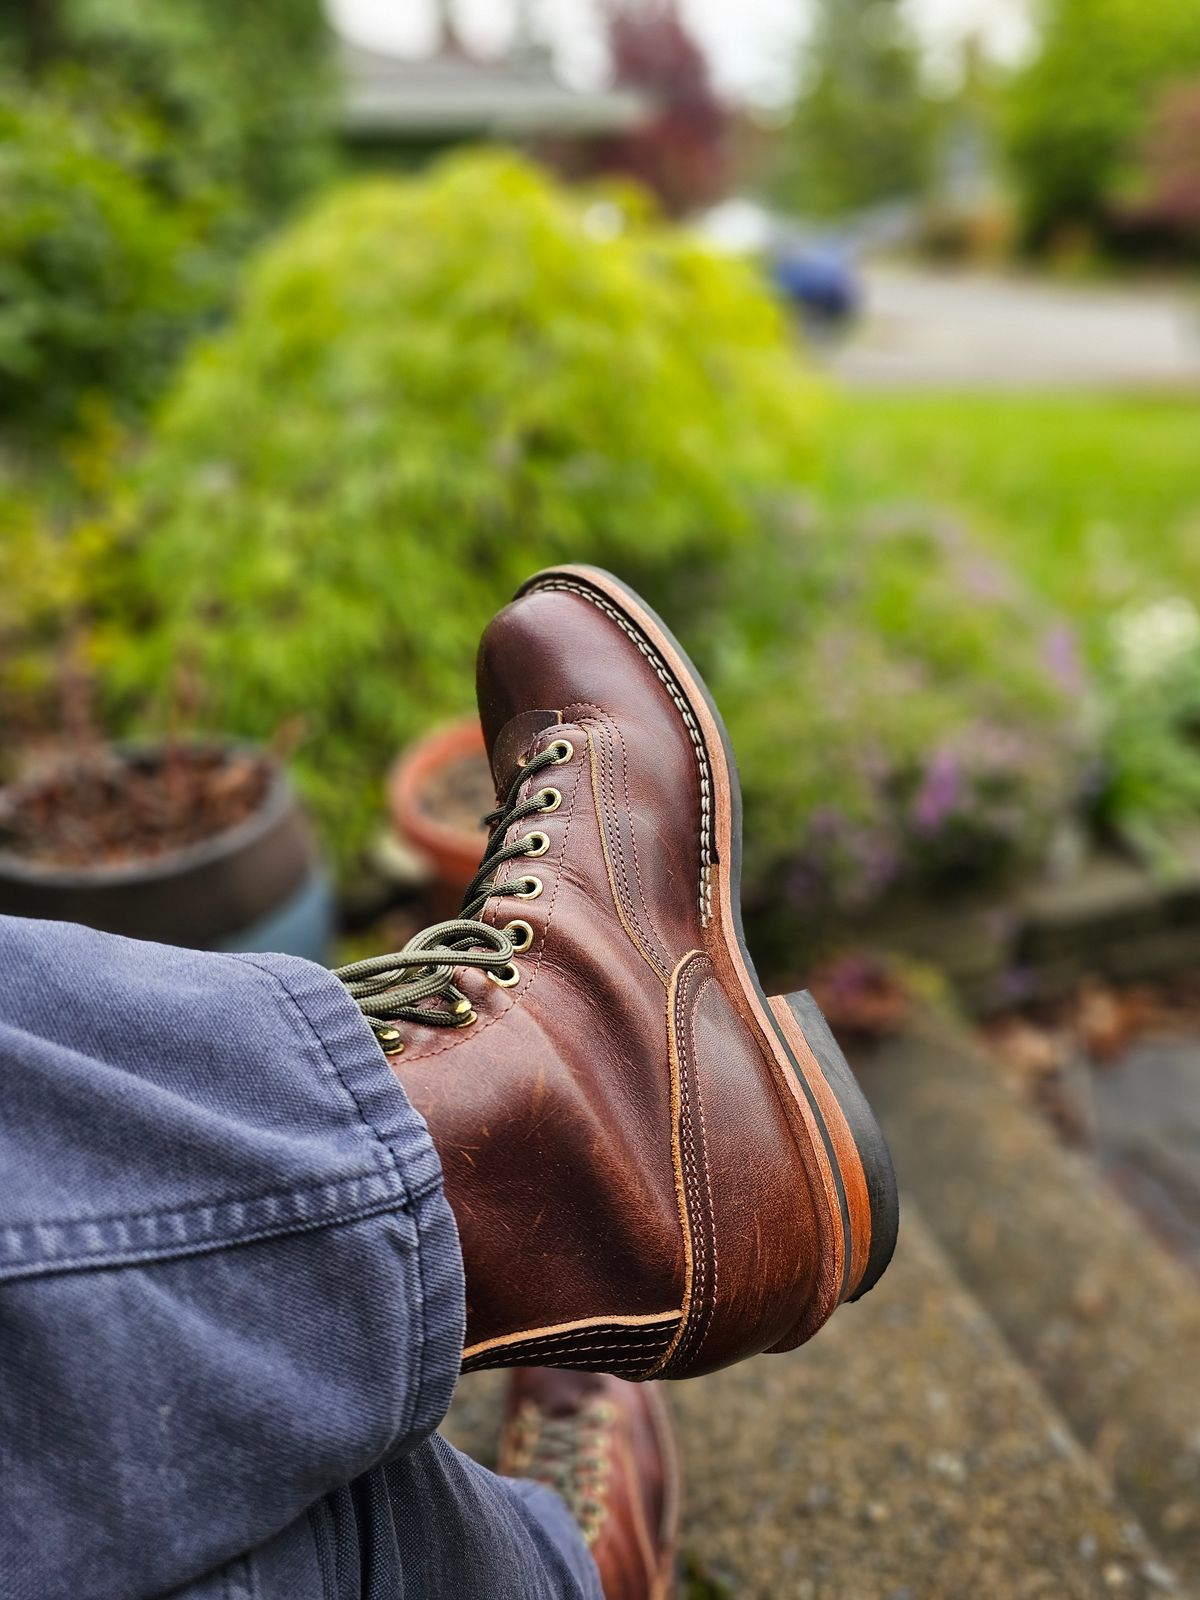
(431, 388)
(1076, 113)
(238, 93)
(98, 271)
(906, 712)
(144, 147)
(434, 387)
(1151, 727)
(1163, 206)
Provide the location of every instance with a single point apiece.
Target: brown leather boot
(606, 1447)
(655, 1170)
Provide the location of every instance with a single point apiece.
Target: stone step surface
(902, 1455)
(1104, 1318)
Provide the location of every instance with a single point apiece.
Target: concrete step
(903, 1455)
(1107, 1322)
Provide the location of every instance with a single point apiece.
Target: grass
(1095, 500)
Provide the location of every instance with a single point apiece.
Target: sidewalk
(923, 329)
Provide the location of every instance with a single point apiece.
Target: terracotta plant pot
(431, 792)
(258, 884)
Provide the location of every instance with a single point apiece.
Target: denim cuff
(350, 1053)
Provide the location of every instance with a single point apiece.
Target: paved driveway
(924, 329)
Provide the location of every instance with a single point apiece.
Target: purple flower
(1062, 659)
(939, 793)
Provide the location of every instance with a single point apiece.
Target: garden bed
(1037, 940)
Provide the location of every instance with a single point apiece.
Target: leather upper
(615, 1146)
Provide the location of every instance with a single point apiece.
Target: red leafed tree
(681, 152)
(1170, 166)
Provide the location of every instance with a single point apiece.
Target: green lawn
(1095, 500)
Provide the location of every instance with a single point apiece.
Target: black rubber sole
(873, 1152)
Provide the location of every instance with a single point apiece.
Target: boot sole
(818, 1076)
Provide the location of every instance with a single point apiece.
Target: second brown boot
(607, 1448)
(655, 1170)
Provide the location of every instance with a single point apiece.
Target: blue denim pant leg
(231, 1297)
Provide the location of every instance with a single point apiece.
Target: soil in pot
(125, 807)
(198, 845)
(459, 794)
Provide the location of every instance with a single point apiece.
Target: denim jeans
(231, 1298)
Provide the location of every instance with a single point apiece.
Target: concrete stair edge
(904, 1454)
(1105, 1320)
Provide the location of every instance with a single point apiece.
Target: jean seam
(42, 1267)
(214, 1202)
(318, 1521)
(417, 1389)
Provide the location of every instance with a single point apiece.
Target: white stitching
(685, 711)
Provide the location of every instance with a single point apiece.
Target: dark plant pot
(259, 885)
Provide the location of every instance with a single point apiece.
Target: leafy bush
(1076, 113)
(906, 712)
(239, 92)
(1163, 206)
(431, 388)
(140, 151)
(98, 271)
(1151, 731)
(1095, 501)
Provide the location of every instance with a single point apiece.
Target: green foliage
(895, 706)
(434, 387)
(1152, 723)
(862, 130)
(431, 388)
(1096, 502)
(1076, 113)
(239, 92)
(98, 270)
(141, 150)
(50, 542)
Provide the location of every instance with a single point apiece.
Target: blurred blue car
(820, 283)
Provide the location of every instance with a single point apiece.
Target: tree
(682, 152)
(1077, 113)
(862, 129)
(1167, 181)
(143, 146)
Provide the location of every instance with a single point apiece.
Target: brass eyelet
(533, 888)
(466, 1011)
(507, 976)
(562, 750)
(391, 1042)
(526, 932)
(536, 844)
(551, 799)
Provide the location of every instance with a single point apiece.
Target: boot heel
(873, 1202)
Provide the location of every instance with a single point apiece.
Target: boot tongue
(513, 742)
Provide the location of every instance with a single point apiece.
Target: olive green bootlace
(417, 984)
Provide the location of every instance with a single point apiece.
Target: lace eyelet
(536, 844)
(533, 888)
(562, 750)
(391, 1043)
(507, 976)
(467, 1012)
(551, 799)
(526, 931)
